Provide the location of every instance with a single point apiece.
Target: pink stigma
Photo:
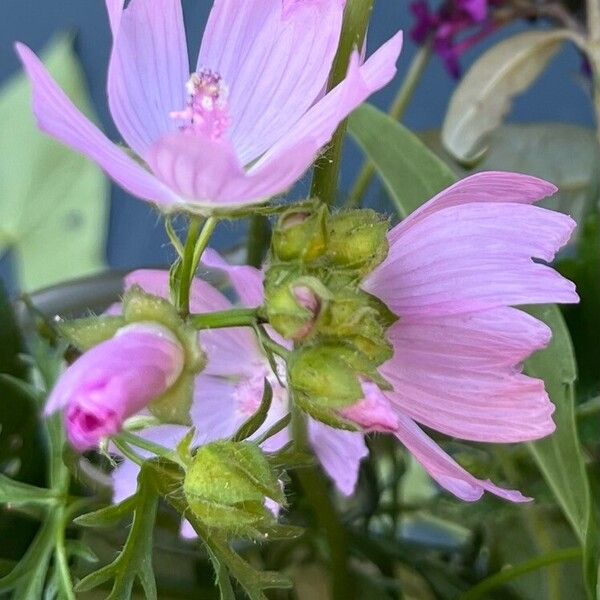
(207, 110)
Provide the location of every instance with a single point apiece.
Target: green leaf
(50, 197)
(254, 423)
(411, 173)
(15, 492)
(135, 559)
(559, 456)
(109, 516)
(484, 95)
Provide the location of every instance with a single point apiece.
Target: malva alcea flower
(230, 388)
(247, 123)
(115, 380)
(455, 269)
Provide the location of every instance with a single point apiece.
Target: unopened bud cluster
(314, 298)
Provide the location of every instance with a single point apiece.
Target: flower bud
(293, 307)
(115, 380)
(301, 235)
(228, 485)
(357, 240)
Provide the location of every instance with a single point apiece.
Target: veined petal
(489, 186)
(148, 69)
(246, 281)
(276, 58)
(461, 375)
(57, 116)
(321, 121)
(207, 174)
(474, 257)
(339, 452)
(447, 472)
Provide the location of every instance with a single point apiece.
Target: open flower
(115, 380)
(230, 388)
(454, 270)
(243, 127)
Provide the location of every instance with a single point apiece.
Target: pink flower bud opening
(114, 381)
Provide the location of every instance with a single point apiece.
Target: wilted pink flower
(454, 270)
(115, 380)
(230, 389)
(246, 124)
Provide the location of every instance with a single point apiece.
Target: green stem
(196, 242)
(317, 494)
(130, 439)
(397, 110)
(327, 168)
(127, 452)
(259, 237)
(274, 347)
(236, 317)
(60, 553)
(505, 576)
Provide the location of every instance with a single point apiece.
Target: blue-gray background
(136, 237)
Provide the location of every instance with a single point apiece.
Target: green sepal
(174, 405)
(87, 333)
(226, 486)
(358, 240)
(323, 414)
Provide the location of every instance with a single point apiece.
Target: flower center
(207, 110)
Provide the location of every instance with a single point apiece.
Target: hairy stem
(236, 317)
(327, 168)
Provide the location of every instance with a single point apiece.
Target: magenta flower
(115, 380)
(229, 390)
(452, 20)
(247, 123)
(454, 270)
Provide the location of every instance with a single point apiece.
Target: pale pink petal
(474, 257)
(187, 532)
(148, 70)
(374, 412)
(461, 375)
(207, 174)
(321, 121)
(339, 452)
(488, 186)
(124, 477)
(447, 472)
(246, 281)
(276, 58)
(57, 117)
(114, 8)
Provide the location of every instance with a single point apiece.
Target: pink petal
(447, 472)
(148, 70)
(57, 117)
(276, 58)
(374, 412)
(474, 257)
(319, 124)
(207, 174)
(246, 281)
(461, 375)
(489, 186)
(339, 452)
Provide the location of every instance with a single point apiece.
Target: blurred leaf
(559, 456)
(50, 197)
(15, 492)
(484, 95)
(135, 559)
(107, 517)
(412, 174)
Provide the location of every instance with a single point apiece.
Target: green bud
(357, 240)
(88, 332)
(301, 235)
(227, 484)
(326, 374)
(294, 304)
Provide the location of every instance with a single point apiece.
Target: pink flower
(454, 270)
(115, 380)
(246, 124)
(230, 389)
